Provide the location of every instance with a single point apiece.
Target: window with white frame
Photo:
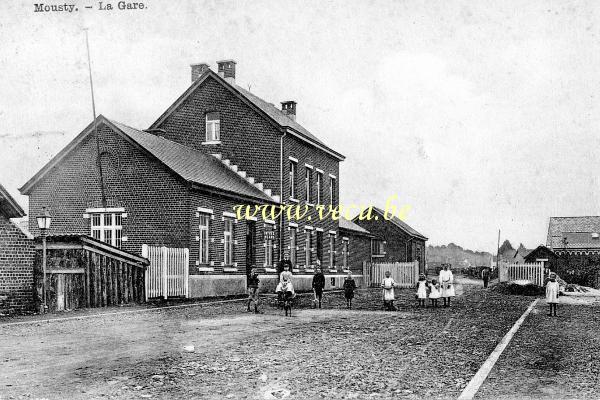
(107, 227)
(204, 238)
(345, 248)
(319, 186)
(308, 249)
(269, 248)
(213, 127)
(378, 248)
(308, 184)
(332, 251)
(293, 166)
(228, 241)
(293, 245)
(332, 190)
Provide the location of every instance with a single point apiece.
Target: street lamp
(43, 221)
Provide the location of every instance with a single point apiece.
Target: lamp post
(43, 221)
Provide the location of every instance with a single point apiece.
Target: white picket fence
(167, 274)
(533, 273)
(406, 274)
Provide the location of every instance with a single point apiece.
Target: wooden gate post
(146, 273)
(165, 263)
(186, 273)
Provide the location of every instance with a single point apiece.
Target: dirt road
(329, 353)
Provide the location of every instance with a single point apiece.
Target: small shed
(85, 272)
(542, 254)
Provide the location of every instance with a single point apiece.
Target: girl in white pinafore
(434, 293)
(447, 284)
(388, 285)
(422, 290)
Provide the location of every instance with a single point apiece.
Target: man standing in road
(485, 275)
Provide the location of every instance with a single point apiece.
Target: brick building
(393, 239)
(356, 245)
(176, 184)
(17, 252)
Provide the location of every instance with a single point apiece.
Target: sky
(479, 115)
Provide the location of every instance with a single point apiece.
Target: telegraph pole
(87, 44)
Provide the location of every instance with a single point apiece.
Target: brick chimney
(227, 70)
(289, 109)
(198, 70)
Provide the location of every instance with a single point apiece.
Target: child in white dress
(422, 290)
(447, 284)
(388, 285)
(434, 293)
(552, 289)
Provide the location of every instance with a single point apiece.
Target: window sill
(212, 142)
(293, 200)
(378, 255)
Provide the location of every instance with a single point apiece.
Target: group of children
(435, 289)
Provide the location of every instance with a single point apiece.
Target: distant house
(393, 239)
(542, 254)
(574, 235)
(17, 251)
(520, 255)
(576, 243)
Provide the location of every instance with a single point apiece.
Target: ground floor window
(345, 247)
(228, 241)
(308, 249)
(107, 227)
(204, 238)
(269, 246)
(293, 245)
(332, 252)
(378, 248)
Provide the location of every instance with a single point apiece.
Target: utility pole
(87, 44)
(498, 251)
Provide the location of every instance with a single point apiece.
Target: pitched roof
(351, 226)
(402, 225)
(579, 232)
(8, 206)
(191, 165)
(269, 110)
(540, 249)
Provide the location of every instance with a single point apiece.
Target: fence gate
(406, 274)
(533, 272)
(167, 274)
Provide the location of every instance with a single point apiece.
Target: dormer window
(213, 127)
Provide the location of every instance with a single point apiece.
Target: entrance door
(60, 292)
(250, 245)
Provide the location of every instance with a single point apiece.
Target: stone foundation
(216, 285)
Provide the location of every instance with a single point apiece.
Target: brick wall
(359, 250)
(17, 253)
(247, 138)
(318, 159)
(155, 201)
(217, 205)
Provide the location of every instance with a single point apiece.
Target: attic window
(213, 127)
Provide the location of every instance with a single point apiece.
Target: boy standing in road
(318, 284)
(253, 283)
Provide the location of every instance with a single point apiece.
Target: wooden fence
(168, 272)
(84, 272)
(533, 273)
(406, 274)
